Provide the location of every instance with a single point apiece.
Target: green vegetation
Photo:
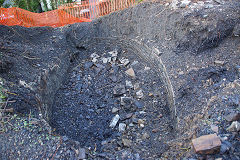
(33, 5)
(1, 3)
(30, 5)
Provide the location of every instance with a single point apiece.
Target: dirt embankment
(195, 51)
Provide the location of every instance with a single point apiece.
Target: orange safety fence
(65, 14)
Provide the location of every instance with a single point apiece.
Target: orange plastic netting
(65, 14)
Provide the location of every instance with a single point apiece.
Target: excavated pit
(98, 87)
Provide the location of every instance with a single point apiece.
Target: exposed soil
(83, 105)
(64, 98)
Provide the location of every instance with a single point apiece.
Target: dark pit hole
(83, 106)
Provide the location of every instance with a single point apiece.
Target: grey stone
(126, 102)
(219, 62)
(234, 127)
(113, 53)
(233, 116)
(129, 84)
(115, 110)
(64, 138)
(236, 30)
(125, 62)
(219, 1)
(82, 153)
(225, 147)
(209, 6)
(139, 104)
(139, 94)
(88, 65)
(119, 90)
(126, 116)
(126, 142)
(113, 78)
(122, 127)
(184, 3)
(145, 136)
(214, 128)
(114, 121)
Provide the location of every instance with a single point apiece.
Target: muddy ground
(65, 98)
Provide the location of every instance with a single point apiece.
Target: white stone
(234, 127)
(124, 61)
(129, 84)
(122, 127)
(114, 121)
(113, 53)
(139, 94)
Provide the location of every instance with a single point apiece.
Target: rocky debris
(214, 128)
(119, 90)
(5, 66)
(122, 127)
(106, 60)
(82, 153)
(130, 72)
(140, 123)
(139, 104)
(113, 53)
(139, 94)
(126, 142)
(232, 116)
(129, 84)
(225, 147)
(184, 3)
(234, 127)
(145, 136)
(126, 102)
(126, 116)
(219, 62)
(236, 30)
(94, 57)
(207, 144)
(88, 65)
(124, 61)
(115, 110)
(114, 121)
(136, 86)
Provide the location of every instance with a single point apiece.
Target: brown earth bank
(142, 83)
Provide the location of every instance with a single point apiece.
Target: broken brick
(207, 144)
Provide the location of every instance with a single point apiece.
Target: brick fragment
(207, 144)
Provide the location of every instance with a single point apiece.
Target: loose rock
(129, 84)
(139, 104)
(114, 110)
(126, 142)
(214, 128)
(219, 62)
(139, 94)
(233, 116)
(207, 144)
(124, 61)
(119, 90)
(225, 147)
(122, 127)
(234, 127)
(130, 72)
(114, 121)
(126, 101)
(236, 30)
(82, 153)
